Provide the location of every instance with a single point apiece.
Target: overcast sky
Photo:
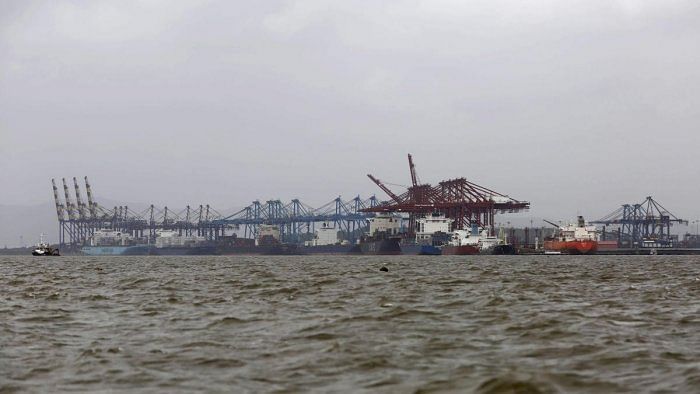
(576, 106)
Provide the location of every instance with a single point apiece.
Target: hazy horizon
(576, 106)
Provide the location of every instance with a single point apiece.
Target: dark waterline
(484, 324)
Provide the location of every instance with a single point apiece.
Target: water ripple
(482, 324)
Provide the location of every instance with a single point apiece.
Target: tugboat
(573, 239)
(44, 249)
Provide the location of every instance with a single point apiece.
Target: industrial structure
(647, 224)
(295, 219)
(459, 199)
(79, 218)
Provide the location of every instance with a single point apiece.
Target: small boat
(44, 249)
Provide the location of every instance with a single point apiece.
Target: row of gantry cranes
(459, 199)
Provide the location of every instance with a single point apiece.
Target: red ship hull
(571, 247)
(459, 250)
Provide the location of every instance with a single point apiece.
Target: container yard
(455, 216)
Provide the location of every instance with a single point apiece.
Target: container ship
(573, 239)
(114, 243)
(167, 243)
(267, 242)
(172, 243)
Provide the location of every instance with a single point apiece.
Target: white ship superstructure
(385, 223)
(478, 237)
(173, 239)
(325, 235)
(427, 226)
(110, 238)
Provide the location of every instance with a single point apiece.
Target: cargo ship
(172, 243)
(267, 242)
(463, 242)
(450, 250)
(432, 234)
(339, 248)
(326, 241)
(167, 243)
(384, 236)
(429, 250)
(132, 250)
(573, 239)
(114, 243)
(477, 240)
(379, 244)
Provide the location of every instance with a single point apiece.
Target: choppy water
(464, 324)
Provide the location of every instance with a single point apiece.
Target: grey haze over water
(576, 106)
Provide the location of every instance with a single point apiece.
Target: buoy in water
(384, 269)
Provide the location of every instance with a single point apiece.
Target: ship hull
(459, 250)
(282, 250)
(325, 249)
(269, 250)
(175, 251)
(114, 250)
(388, 246)
(429, 250)
(53, 252)
(411, 248)
(571, 247)
(504, 249)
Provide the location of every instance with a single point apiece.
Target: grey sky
(576, 106)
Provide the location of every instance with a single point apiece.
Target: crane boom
(385, 189)
(69, 204)
(78, 199)
(553, 224)
(59, 206)
(91, 202)
(412, 168)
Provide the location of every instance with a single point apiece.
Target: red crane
(412, 168)
(464, 201)
(384, 188)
